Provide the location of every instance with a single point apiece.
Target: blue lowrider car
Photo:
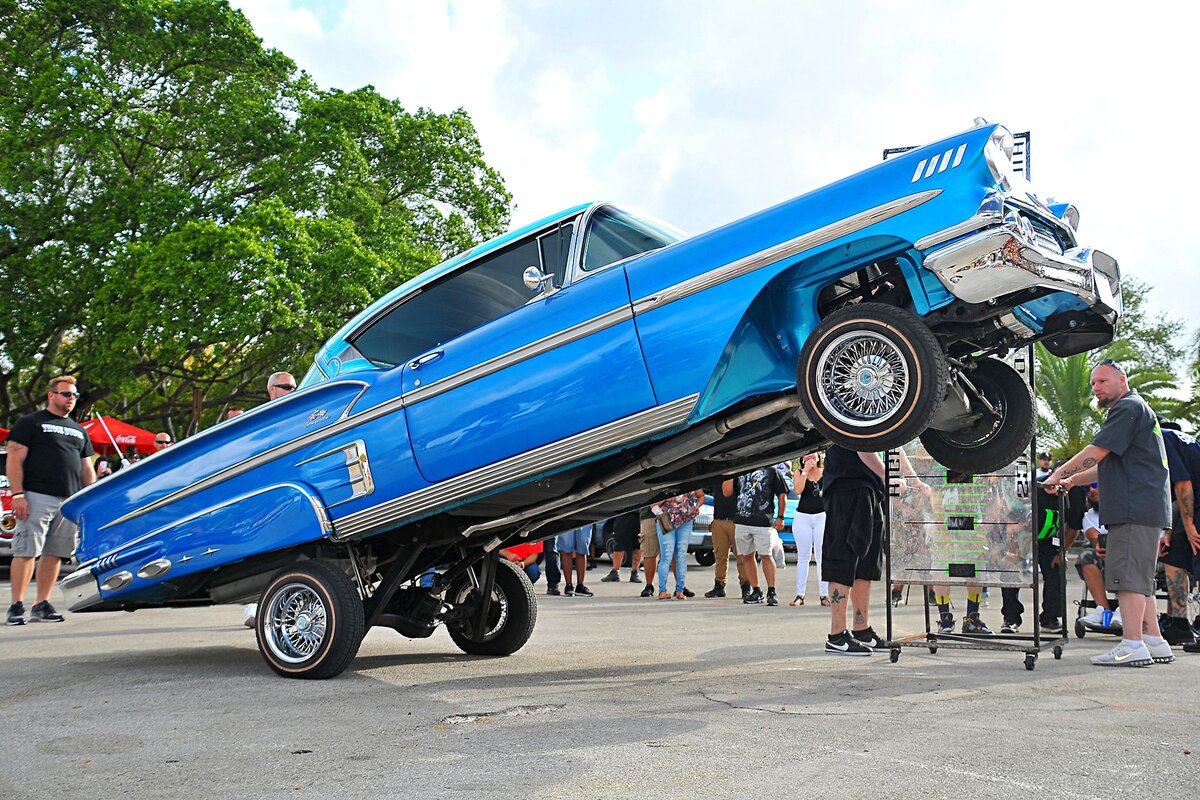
(589, 363)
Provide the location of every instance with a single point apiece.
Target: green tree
(184, 212)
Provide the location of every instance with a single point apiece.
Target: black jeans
(551, 564)
(1052, 584)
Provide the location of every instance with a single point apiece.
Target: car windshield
(614, 235)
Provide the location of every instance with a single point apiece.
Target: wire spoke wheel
(295, 624)
(863, 378)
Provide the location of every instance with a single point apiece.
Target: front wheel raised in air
(871, 376)
(995, 440)
(310, 621)
(512, 613)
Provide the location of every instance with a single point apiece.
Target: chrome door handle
(425, 359)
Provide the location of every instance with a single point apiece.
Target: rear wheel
(512, 613)
(995, 440)
(871, 376)
(705, 558)
(310, 621)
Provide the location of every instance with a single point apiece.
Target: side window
(614, 235)
(435, 314)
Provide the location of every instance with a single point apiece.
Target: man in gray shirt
(1130, 460)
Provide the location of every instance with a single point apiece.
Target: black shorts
(1180, 553)
(853, 545)
(626, 528)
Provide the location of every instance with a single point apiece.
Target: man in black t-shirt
(757, 494)
(852, 556)
(721, 530)
(48, 461)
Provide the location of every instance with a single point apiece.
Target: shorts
(648, 538)
(1131, 556)
(625, 533)
(1180, 553)
(44, 531)
(1088, 558)
(853, 545)
(752, 539)
(578, 541)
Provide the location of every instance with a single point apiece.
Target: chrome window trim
(515, 468)
(781, 251)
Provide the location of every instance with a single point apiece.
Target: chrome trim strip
(318, 508)
(358, 469)
(523, 465)
(784, 250)
(536, 348)
(279, 451)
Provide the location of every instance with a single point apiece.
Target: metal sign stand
(967, 530)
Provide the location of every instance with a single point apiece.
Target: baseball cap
(1044, 454)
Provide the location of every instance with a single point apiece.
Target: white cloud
(704, 113)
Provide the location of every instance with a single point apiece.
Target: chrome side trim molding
(317, 506)
(784, 250)
(524, 465)
(279, 451)
(523, 353)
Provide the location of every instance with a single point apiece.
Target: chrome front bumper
(997, 262)
(81, 589)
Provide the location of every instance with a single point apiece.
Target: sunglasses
(287, 387)
(67, 394)
(162, 441)
(1108, 362)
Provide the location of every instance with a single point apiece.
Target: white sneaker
(1161, 653)
(248, 615)
(1125, 656)
(1095, 618)
(1116, 620)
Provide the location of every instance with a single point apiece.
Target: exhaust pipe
(8, 522)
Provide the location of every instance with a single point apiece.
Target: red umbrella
(104, 431)
(3, 434)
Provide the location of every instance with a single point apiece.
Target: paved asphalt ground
(613, 697)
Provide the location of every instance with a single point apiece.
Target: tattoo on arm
(1088, 463)
(1187, 503)
(837, 597)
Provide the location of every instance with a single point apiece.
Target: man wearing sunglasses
(49, 459)
(1130, 460)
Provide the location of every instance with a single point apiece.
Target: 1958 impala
(589, 363)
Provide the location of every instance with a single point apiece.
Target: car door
(511, 371)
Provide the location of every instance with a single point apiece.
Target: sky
(703, 111)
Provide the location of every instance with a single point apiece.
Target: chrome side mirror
(535, 279)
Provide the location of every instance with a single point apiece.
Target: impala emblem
(317, 416)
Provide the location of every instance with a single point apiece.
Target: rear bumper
(81, 590)
(997, 262)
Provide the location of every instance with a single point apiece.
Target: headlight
(998, 154)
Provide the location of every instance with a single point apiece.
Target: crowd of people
(1146, 471)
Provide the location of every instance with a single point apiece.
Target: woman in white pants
(808, 523)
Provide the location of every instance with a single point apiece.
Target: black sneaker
(582, 591)
(745, 589)
(1052, 626)
(1011, 626)
(552, 589)
(648, 591)
(845, 645)
(569, 590)
(611, 577)
(687, 592)
(868, 637)
(716, 591)
(16, 613)
(44, 612)
(634, 577)
(755, 595)
(897, 596)
(1192, 648)
(772, 600)
(1177, 631)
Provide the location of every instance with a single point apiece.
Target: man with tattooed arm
(1181, 544)
(1130, 460)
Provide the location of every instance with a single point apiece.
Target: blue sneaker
(44, 612)
(946, 623)
(973, 624)
(16, 613)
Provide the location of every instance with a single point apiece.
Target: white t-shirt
(1091, 519)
